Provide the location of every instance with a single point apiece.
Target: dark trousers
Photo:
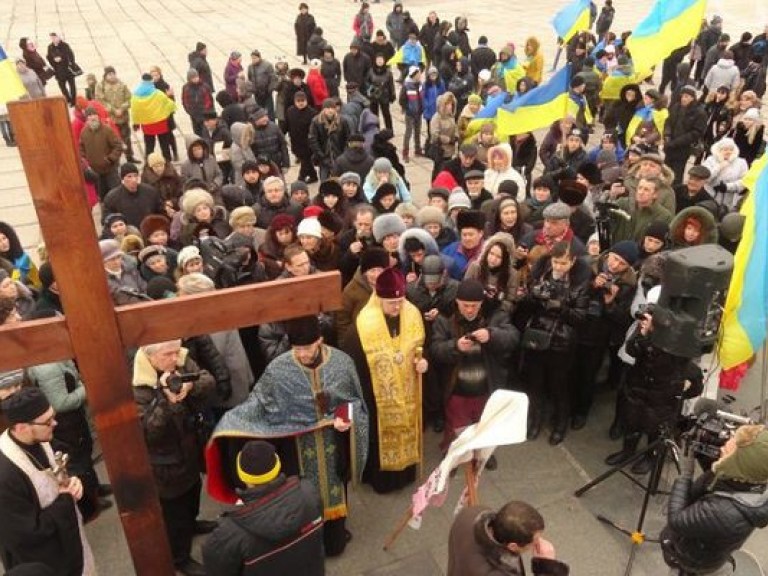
(587, 362)
(125, 136)
(676, 162)
(197, 125)
(67, 87)
(385, 113)
(433, 399)
(165, 144)
(106, 182)
(179, 515)
(548, 376)
(306, 167)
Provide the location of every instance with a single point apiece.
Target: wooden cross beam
(96, 333)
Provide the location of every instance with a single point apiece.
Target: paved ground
(134, 34)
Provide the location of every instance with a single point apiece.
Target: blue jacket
(429, 96)
(459, 260)
(413, 98)
(412, 53)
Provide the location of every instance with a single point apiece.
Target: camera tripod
(659, 448)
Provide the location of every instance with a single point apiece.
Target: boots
(628, 450)
(644, 465)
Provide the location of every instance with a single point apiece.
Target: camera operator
(557, 302)
(652, 392)
(168, 408)
(711, 517)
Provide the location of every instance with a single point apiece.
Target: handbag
(48, 73)
(74, 69)
(536, 339)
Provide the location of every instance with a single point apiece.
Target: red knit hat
(283, 221)
(312, 211)
(390, 284)
(444, 179)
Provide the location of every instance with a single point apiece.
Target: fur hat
(572, 192)
(109, 249)
(187, 254)
(385, 189)
(309, 227)
(406, 209)
(131, 244)
(257, 463)
(15, 377)
(390, 284)
(557, 211)
(470, 219)
(386, 224)
(373, 257)
(192, 198)
(591, 173)
(242, 216)
(627, 250)
(152, 223)
(303, 331)
(330, 188)
(151, 250)
(155, 159)
(331, 221)
(430, 215)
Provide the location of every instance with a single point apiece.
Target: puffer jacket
(276, 530)
(205, 169)
(709, 233)
(239, 153)
(495, 177)
(607, 324)
(169, 430)
(729, 175)
(706, 522)
(724, 73)
(269, 141)
(566, 308)
(443, 126)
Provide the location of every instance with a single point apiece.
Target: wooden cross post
(96, 333)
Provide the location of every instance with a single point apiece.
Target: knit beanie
(128, 168)
(187, 254)
(657, 229)
(459, 199)
(350, 177)
(627, 250)
(382, 165)
(257, 463)
(470, 290)
(309, 227)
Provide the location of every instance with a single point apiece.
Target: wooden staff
(401, 524)
(419, 416)
(470, 475)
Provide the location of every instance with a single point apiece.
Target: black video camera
(644, 309)
(174, 382)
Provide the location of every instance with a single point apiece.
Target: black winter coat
(684, 128)
(356, 68)
(299, 122)
(205, 354)
(200, 63)
(315, 46)
(304, 26)
(427, 36)
(270, 141)
(707, 523)
(355, 160)
(64, 52)
(277, 531)
(483, 58)
(327, 146)
(562, 313)
(331, 73)
(504, 338)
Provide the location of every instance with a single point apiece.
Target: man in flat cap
(39, 520)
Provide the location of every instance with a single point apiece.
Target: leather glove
(722, 188)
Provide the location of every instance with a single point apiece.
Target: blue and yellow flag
(150, 105)
(746, 307)
(647, 114)
(670, 25)
(11, 87)
(487, 115)
(399, 57)
(572, 19)
(537, 108)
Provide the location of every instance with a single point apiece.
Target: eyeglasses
(48, 422)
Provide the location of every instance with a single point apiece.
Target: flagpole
(764, 384)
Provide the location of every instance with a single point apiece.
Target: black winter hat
(508, 187)
(25, 405)
(470, 290)
(330, 188)
(128, 168)
(591, 172)
(303, 331)
(331, 221)
(657, 229)
(373, 257)
(257, 463)
(470, 219)
(572, 192)
(249, 166)
(627, 250)
(160, 288)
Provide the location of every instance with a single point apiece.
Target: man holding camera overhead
(170, 391)
(711, 517)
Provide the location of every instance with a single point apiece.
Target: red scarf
(542, 240)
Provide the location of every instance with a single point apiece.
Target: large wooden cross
(96, 333)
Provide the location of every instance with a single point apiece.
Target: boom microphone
(712, 409)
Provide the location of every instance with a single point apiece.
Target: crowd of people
(499, 280)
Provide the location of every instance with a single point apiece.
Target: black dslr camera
(174, 382)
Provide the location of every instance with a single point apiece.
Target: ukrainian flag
(11, 87)
(746, 307)
(572, 19)
(670, 25)
(537, 108)
(487, 115)
(647, 114)
(399, 58)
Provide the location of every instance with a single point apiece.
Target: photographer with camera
(652, 394)
(710, 518)
(556, 302)
(170, 391)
